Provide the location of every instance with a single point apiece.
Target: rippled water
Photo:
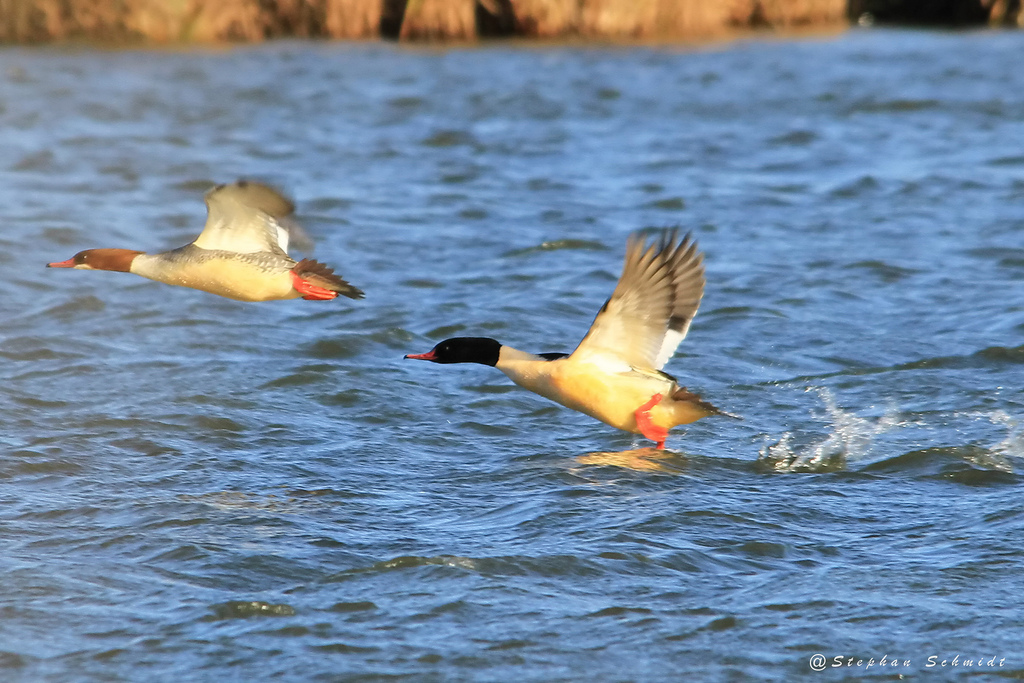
(194, 488)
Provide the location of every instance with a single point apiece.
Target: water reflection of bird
(242, 252)
(639, 459)
(615, 373)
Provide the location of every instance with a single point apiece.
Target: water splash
(851, 438)
(1002, 455)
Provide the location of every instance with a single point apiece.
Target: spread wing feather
(653, 304)
(247, 217)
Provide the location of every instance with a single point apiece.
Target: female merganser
(615, 373)
(242, 253)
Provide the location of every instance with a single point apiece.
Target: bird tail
(324, 276)
(684, 395)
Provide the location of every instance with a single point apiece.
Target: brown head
(99, 259)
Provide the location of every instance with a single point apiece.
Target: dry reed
(353, 18)
(416, 20)
(439, 20)
(546, 18)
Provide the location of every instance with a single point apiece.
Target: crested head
(119, 260)
(483, 350)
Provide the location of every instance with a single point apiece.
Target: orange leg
(311, 291)
(648, 428)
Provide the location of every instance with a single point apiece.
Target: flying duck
(242, 252)
(615, 373)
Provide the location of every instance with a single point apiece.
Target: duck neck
(507, 354)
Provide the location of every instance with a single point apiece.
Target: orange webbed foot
(647, 428)
(310, 291)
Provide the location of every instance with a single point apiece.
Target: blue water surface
(193, 488)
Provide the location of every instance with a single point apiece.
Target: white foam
(850, 439)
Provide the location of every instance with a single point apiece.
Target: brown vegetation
(354, 19)
(1005, 12)
(422, 20)
(798, 12)
(188, 20)
(546, 18)
(439, 20)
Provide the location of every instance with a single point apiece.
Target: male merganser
(615, 373)
(242, 252)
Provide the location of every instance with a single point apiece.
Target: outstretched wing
(246, 217)
(653, 304)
